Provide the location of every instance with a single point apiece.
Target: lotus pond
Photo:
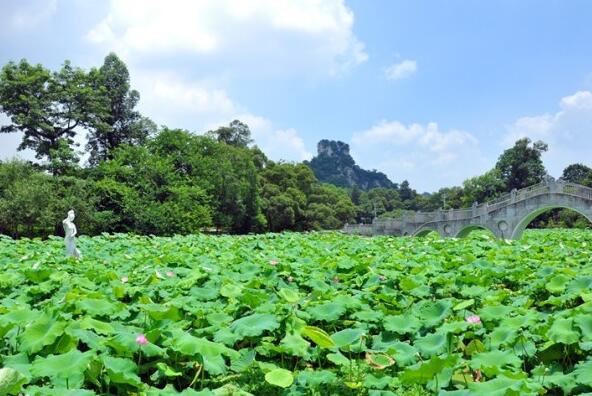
(298, 314)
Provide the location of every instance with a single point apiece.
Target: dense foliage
(163, 181)
(298, 314)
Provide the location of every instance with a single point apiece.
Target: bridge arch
(465, 231)
(423, 231)
(530, 216)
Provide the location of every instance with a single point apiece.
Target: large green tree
(482, 188)
(49, 108)
(521, 165)
(121, 123)
(236, 134)
(577, 173)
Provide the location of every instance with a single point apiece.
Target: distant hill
(333, 164)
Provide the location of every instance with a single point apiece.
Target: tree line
(138, 177)
(146, 179)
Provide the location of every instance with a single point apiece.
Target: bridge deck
(497, 212)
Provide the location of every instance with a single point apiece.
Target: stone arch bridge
(506, 217)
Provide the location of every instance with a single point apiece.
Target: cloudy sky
(428, 91)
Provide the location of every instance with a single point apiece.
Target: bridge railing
(577, 190)
(409, 216)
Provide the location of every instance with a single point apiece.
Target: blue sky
(427, 91)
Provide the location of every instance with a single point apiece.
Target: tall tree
(405, 191)
(47, 107)
(355, 194)
(235, 134)
(577, 173)
(521, 165)
(121, 123)
(482, 188)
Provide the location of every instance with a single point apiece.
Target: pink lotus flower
(141, 339)
(474, 319)
(273, 262)
(170, 274)
(124, 279)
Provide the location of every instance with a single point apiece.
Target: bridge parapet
(500, 215)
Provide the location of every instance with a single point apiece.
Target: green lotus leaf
(315, 378)
(554, 376)
(338, 359)
(403, 353)
(98, 306)
(463, 305)
(11, 381)
(19, 362)
(289, 295)
(167, 371)
(214, 364)
(492, 362)
(503, 335)
(583, 372)
(557, 284)
(474, 347)
(122, 371)
(368, 315)
(494, 312)
(19, 316)
(61, 391)
(189, 345)
(44, 331)
(254, 325)
(347, 337)
(584, 323)
(295, 345)
(328, 312)
(433, 313)
(373, 382)
(88, 323)
(170, 390)
(318, 336)
(231, 290)
(244, 361)
(500, 386)
(562, 331)
(66, 370)
(218, 318)
(402, 324)
(580, 284)
(431, 344)
(421, 373)
(280, 377)
(38, 275)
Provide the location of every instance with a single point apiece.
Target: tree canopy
(521, 166)
(165, 181)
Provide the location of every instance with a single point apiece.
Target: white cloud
(423, 154)
(167, 44)
(428, 137)
(401, 70)
(277, 144)
(171, 100)
(259, 34)
(199, 107)
(567, 132)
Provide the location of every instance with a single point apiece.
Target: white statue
(70, 238)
